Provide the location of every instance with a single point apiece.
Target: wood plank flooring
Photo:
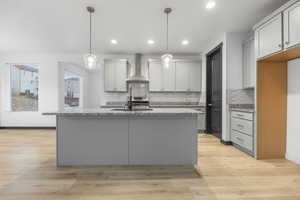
(28, 172)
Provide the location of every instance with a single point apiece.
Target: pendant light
(90, 59)
(167, 58)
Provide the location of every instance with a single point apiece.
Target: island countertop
(102, 112)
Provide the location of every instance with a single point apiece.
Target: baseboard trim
(294, 159)
(28, 128)
(226, 142)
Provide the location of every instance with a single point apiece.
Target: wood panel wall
(272, 109)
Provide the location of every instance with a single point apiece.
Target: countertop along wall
(293, 111)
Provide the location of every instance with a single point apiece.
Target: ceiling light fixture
(185, 42)
(167, 58)
(90, 59)
(210, 4)
(151, 42)
(113, 41)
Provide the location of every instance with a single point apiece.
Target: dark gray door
(214, 92)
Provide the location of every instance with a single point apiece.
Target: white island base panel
(131, 140)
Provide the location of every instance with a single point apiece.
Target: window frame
(11, 66)
(80, 100)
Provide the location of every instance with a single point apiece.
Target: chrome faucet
(130, 102)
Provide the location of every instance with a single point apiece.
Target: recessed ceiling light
(185, 42)
(151, 42)
(210, 4)
(114, 41)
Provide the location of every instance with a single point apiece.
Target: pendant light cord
(167, 38)
(90, 33)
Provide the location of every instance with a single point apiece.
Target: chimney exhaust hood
(138, 77)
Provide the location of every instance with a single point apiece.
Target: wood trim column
(271, 109)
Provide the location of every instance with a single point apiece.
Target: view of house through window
(24, 87)
(72, 89)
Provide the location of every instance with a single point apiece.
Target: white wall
(293, 110)
(49, 86)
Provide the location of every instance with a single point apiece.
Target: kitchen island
(121, 137)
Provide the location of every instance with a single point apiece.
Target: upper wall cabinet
(181, 76)
(188, 76)
(115, 75)
(155, 76)
(248, 63)
(161, 79)
(269, 37)
(292, 26)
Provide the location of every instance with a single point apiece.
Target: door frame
(208, 87)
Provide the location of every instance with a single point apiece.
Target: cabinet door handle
(280, 45)
(287, 42)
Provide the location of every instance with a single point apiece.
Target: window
(24, 87)
(72, 89)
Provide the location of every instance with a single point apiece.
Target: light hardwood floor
(28, 172)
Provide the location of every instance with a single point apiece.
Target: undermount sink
(137, 109)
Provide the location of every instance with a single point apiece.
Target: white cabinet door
(292, 26)
(269, 37)
(120, 76)
(169, 78)
(195, 76)
(155, 76)
(109, 78)
(248, 64)
(115, 75)
(182, 76)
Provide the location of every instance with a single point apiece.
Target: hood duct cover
(138, 77)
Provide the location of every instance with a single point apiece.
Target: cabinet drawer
(242, 125)
(243, 140)
(242, 115)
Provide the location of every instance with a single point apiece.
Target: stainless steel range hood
(138, 76)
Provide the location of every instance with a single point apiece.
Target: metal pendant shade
(90, 59)
(167, 58)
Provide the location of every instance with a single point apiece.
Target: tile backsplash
(241, 96)
(171, 97)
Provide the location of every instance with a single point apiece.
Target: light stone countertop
(249, 110)
(105, 112)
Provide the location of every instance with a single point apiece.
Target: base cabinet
(201, 120)
(127, 140)
(242, 128)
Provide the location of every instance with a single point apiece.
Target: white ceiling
(62, 25)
